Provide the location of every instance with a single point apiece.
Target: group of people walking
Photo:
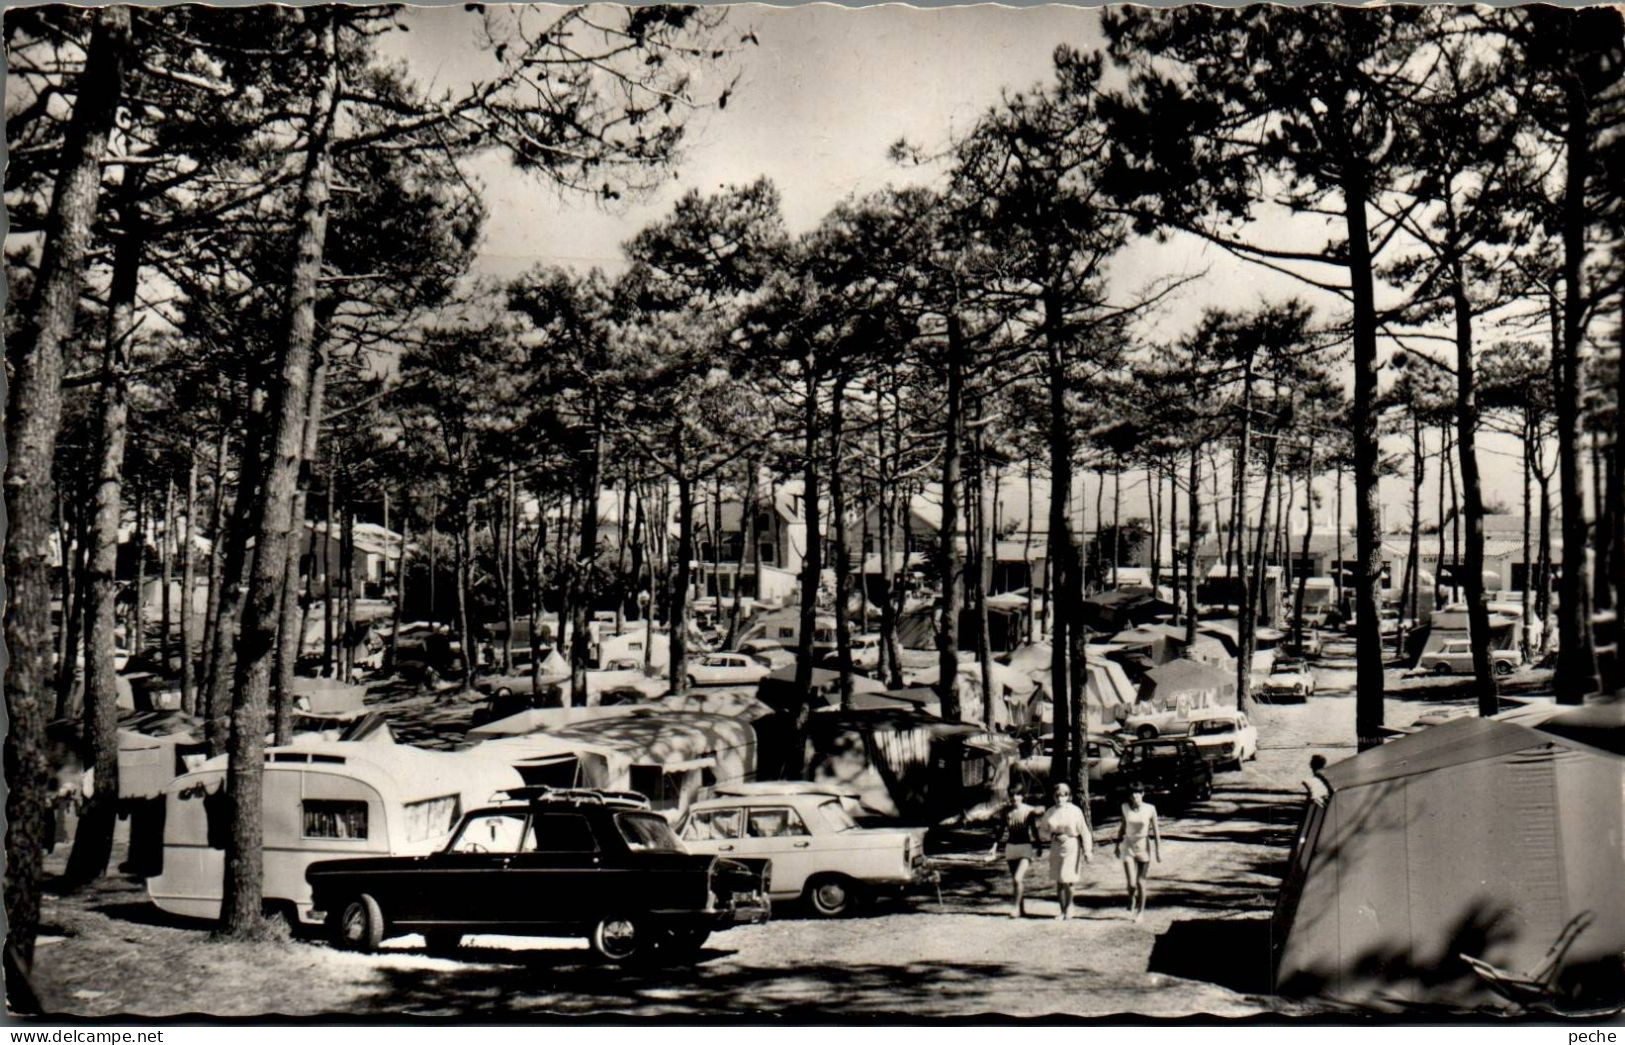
(1030, 828)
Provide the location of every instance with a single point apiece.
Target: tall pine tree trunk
(591, 480)
(93, 843)
(291, 632)
(843, 552)
(1064, 595)
(1478, 611)
(950, 558)
(1368, 700)
(812, 565)
(240, 909)
(189, 588)
(33, 417)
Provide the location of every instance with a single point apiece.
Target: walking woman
(1139, 841)
(1064, 827)
(1019, 836)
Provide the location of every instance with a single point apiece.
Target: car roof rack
(574, 796)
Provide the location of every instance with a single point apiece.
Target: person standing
(1139, 841)
(1319, 790)
(1019, 836)
(1065, 828)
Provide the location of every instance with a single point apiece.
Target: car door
(778, 833)
(461, 883)
(560, 872)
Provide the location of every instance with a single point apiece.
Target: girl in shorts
(1139, 841)
(1019, 835)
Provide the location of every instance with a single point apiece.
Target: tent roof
(1452, 743)
(1597, 723)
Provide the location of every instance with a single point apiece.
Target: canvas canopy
(1113, 611)
(1476, 837)
(1203, 685)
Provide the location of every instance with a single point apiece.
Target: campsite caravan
(322, 801)
(671, 757)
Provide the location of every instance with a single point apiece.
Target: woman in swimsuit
(1019, 835)
(1139, 841)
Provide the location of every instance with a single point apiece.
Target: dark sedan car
(597, 864)
(1171, 768)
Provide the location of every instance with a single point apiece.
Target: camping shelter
(1187, 682)
(1113, 611)
(1477, 837)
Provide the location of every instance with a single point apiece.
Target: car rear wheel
(1146, 732)
(831, 895)
(691, 682)
(1441, 669)
(1503, 668)
(618, 939)
(442, 941)
(359, 925)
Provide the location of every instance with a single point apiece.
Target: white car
(772, 653)
(815, 851)
(1290, 683)
(1456, 657)
(1147, 721)
(727, 669)
(865, 652)
(1224, 736)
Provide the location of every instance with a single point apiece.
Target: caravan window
(335, 818)
(432, 816)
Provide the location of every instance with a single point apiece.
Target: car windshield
(1145, 752)
(836, 816)
(647, 833)
(1288, 667)
(1211, 727)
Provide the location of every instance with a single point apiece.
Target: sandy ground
(1203, 946)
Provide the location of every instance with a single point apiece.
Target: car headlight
(1297, 687)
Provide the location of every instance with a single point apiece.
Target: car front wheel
(691, 682)
(1503, 668)
(618, 939)
(359, 925)
(831, 895)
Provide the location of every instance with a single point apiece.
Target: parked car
(818, 852)
(1147, 720)
(1171, 768)
(546, 862)
(727, 669)
(1225, 737)
(1291, 682)
(851, 799)
(1104, 753)
(770, 652)
(1310, 645)
(1456, 656)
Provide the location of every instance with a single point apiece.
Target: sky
(819, 102)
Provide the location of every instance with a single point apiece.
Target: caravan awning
(684, 765)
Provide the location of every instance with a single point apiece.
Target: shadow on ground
(1231, 952)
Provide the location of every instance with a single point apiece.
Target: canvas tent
(1476, 836)
(1113, 611)
(1185, 681)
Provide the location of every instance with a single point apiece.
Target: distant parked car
(1291, 682)
(1311, 645)
(727, 669)
(1104, 753)
(1456, 657)
(1172, 769)
(545, 863)
(768, 651)
(817, 852)
(1225, 737)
